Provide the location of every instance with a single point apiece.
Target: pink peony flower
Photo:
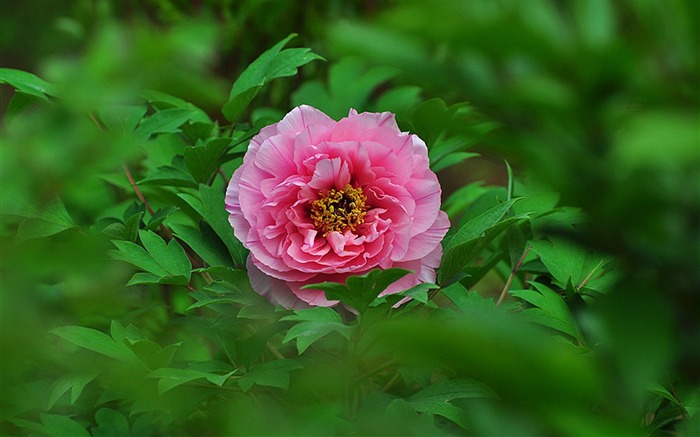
(318, 200)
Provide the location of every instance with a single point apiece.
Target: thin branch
(137, 190)
(513, 271)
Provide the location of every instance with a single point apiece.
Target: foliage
(566, 301)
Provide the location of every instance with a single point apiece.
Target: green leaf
(567, 261)
(169, 378)
(62, 426)
(169, 176)
(110, 423)
(350, 84)
(163, 122)
(472, 238)
(27, 83)
(211, 206)
(211, 250)
(19, 102)
(550, 309)
(360, 291)
(94, 340)
(75, 383)
(468, 302)
(203, 161)
(162, 100)
(159, 217)
(137, 255)
(315, 324)
(270, 374)
(45, 222)
(272, 64)
(170, 256)
(435, 399)
(122, 118)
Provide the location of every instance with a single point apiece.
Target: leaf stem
(513, 271)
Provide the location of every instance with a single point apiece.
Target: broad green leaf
(317, 314)
(163, 122)
(110, 423)
(170, 378)
(435, 399)
(169, 176)
(315, 323)
(568, 261)
(151, 354)
(203, 161)
(350, 84)
(472, 238)
(270, 374)
(467, 302)
(550, 309)
(122, 118)
(360, 291)
(62, 426)
(159, 217)
(452, 159)
(170, 256)
(137, 255)
(120, 333)
(211, 250)
(46, 222)
(162, 100)
(272, 64)
(210, 205)
(27, 83)
(75, 383)
(19, 102)
(94, 340)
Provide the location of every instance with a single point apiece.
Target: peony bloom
(318, 200)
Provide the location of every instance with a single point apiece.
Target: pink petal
(423, 244)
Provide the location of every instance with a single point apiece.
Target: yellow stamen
(339, 210)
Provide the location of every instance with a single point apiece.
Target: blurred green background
(598, 101)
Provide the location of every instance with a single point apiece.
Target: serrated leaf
(94, 340)
(270, 374)
(26, 82)
(203, 161)
(272, 64)
(550, 309)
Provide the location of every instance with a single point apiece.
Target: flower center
(339, 210)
